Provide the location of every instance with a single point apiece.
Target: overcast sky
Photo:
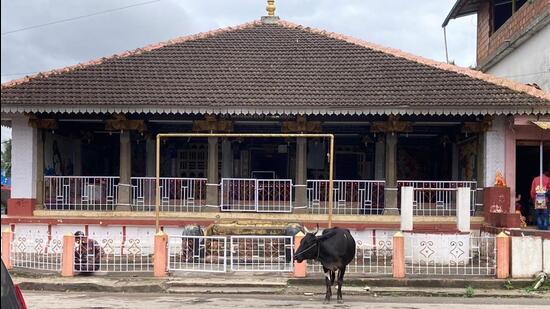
(411, 25)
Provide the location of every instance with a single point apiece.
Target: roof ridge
(127, 53)
(516, 86)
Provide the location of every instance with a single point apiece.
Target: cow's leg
(340, 281)
(328, 294)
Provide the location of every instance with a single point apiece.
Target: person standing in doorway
(539, 195)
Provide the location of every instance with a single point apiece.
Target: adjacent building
(512, 42)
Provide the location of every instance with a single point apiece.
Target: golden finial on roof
(270, 8)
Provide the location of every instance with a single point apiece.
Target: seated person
(87, 255)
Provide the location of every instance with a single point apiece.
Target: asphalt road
(73, 300)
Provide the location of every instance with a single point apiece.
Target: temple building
(84, 136)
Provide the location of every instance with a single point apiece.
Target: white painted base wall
(546, 256)
(526, 256)
(442, 249)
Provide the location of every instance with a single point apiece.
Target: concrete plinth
(407, 198)
(463, 197)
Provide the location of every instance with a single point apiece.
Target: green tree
(6, 157)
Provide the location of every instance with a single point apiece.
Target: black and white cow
(334, 249)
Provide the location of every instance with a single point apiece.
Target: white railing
(438, 198)
(80, 193)
(176, 194)
(370, 258)
(36, 252)
(450, 254)
(256, 195)
(262, 253)
(351, 197)
(112, 255)
(197, 253)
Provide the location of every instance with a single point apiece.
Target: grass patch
(469, 292)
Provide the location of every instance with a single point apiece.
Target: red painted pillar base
(7, 238)
(503, 256)
(398, 255)
(160, 258)
(299, 268)
(21, 207)
(67, 266)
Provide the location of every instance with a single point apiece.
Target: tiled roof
(269, 68)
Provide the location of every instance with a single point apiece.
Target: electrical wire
(78, 17)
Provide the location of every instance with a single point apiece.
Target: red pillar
(398, 255)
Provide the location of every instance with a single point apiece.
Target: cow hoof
(340, 301)
(326, 301)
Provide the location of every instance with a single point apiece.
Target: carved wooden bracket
(212, 124)
(301, 125)
(121, 123)
(478, 126)
(48, 124)
(392, 125)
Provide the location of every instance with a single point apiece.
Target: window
(503, 10)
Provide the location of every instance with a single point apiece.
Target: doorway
(527, 167)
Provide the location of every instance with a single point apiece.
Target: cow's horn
(306, 230)
(317, 230)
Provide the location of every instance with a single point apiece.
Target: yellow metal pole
(244, 135)
(168, 135)
(330, 180)
(157, 186)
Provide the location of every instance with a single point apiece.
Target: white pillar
(495, 150)
(463, 198)
(407, 198)
(23, 158)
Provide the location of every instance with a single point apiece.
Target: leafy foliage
(6, 157)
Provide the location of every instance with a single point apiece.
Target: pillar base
(212, 195)
(123, 208)
(391, 212)
(390, 202)
(123, 198)
(300, 196)
(23, 207)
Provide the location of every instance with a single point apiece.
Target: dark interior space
(424, 157)
(503, 10)
(100, 155)
(527, 167)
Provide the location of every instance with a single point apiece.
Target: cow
(334, 249)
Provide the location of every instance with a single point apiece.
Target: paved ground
(73, 300)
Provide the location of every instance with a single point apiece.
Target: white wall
(24, 158)
(526, 256)
(529, 63)
(495, 149)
